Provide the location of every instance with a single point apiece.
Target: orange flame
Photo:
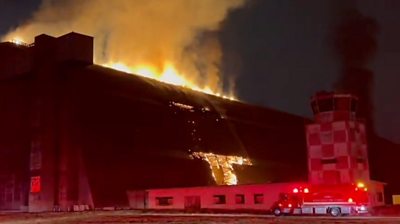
(18, 41)
(169, 74)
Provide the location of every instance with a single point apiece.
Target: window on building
(325, 105)
(258, 198)
(342, 103)
(219, 199)
(164, 201)
(329, 161)
(239, 199)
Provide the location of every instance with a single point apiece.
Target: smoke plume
(355, 44)
(140, 32)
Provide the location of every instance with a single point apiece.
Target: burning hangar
(76, 133)
(73, 132)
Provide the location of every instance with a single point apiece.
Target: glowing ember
(183, 106)
(221, 166)
(167, 75)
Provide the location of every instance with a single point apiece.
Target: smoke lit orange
(152, 38)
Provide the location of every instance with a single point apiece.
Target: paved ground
(155, 218)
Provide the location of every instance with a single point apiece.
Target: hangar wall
(85, 134)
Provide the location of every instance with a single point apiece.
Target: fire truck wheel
(334, 212)
(277, 212)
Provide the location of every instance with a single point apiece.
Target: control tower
(336, 141)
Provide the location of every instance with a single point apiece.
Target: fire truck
(334, 200)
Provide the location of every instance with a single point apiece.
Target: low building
(259, 197)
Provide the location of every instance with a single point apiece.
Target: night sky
(281, 52)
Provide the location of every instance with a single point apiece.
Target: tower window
(342, 103)
(329, 161)
(325, 105)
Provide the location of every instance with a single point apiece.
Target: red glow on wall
(35, 184)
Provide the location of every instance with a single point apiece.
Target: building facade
(258, 197)
(75, 133)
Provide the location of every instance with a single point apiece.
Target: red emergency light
(301, 190)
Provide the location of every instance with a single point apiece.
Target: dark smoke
(355, 45)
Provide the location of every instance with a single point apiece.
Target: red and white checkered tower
(337, 146)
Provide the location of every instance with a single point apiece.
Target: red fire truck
(334, 200)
